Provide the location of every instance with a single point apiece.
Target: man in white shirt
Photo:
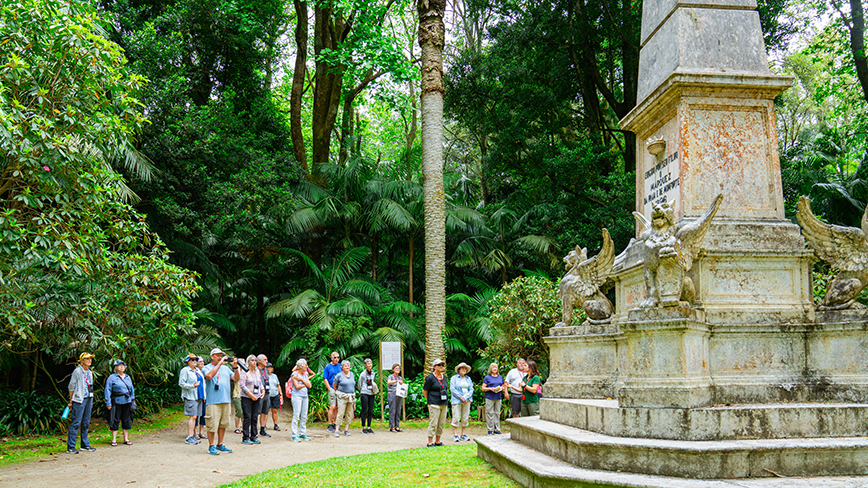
(513, 378)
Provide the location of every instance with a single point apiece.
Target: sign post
(390, 353)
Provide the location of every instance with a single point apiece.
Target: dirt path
(163, 459)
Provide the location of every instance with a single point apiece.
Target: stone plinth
(693, 459)
(720, 422)
(585, 361)
(667, 359)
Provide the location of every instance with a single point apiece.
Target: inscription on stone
(661, 183)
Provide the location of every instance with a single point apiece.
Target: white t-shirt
(514, 378)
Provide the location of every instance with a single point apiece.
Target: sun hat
(190, 357)
(437, 361)
(463, 365)
(84, 356)
(118, 362)
(216, 350)
(269, 365)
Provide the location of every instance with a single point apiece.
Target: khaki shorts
(217, 416)
(333, 399)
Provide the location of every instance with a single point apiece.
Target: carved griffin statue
(669, 253)
(581, 285)
(846, 248)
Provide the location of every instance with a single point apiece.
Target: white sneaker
(337, 433)
(347, 432)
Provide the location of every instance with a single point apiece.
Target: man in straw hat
(80, 403)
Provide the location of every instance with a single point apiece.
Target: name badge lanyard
(88, 383)
(442, 387)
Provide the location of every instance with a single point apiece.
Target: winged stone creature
(845, 248)
(674, 249)
(581, 285)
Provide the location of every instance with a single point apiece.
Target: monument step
(534, 469)
(723, 422)
(694, 459)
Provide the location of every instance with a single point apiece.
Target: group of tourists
(120, 400)
(248, 390)
(521, 387)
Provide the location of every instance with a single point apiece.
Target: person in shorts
(192, 384)
(328, 375)
(275, 395)
(218, 399)
(236, 406)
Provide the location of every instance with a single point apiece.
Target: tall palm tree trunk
(432, 38)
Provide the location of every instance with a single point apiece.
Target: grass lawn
(22, 449)
(440, 466)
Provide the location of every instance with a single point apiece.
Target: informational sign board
(390, 354)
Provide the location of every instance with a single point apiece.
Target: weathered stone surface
(586, 365)
(654, 13)
(537, 470)
(667, 364)
(693, 459)
(720, 422)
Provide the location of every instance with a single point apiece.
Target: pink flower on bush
(46, 168)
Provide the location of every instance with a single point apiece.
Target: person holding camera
(252, 392)
(218, 398)
(80, 403)
(367, 390)
(192, 385)
(119, 398)
(396, 403)
(300, 381)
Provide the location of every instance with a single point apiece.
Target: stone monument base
(669, 460)
(533, 468)
(717, 423)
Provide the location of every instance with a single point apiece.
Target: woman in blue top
(119, 396)
(461, 387)
(495, 393)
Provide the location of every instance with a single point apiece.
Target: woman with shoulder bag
(367, 390)
(530, 387)
(396, 403)
(120, 396)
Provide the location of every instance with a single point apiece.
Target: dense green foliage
(79, 268)
(522, 313)
(179, 174)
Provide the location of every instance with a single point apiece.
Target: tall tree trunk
(410, 266)
(295, 129)
(329, 32)
(857, 43)
(432, 39)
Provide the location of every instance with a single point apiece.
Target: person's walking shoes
(264, 432)
(455, 438)
(72, 450)
(276, 427)
(222, 448)
(337, 433)
(465, 438)
(247, 442)
(332, 428)
(296, 438)
(306, 438)
(88, 448)
(212, 450)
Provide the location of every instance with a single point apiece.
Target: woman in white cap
(436, 391)
(119, 397)
(461, 387)
(192, 385)
(80, 403)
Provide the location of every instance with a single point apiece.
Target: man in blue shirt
(328, 375)
(218, 398)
